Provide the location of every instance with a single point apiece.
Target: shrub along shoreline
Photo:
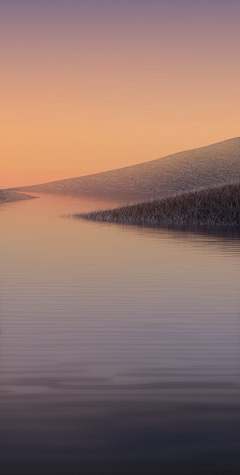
(215, 206)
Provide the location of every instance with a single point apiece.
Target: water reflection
(119, 345)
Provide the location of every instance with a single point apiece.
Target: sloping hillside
(212, 206)
(184, 171)
(6, 196)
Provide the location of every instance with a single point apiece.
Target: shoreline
(214, 206)
(11, 196)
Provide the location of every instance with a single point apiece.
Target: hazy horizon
(94, 86)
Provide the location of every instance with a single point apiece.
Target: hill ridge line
(182, 171)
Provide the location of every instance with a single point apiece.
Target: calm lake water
(119, 345)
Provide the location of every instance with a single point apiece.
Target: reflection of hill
(184, 171)
(223, 239)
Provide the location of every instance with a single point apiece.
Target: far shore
(186, 171)
(9, 196)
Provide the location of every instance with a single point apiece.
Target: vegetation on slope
(212, 206)
(216, 164)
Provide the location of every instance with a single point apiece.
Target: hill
(6, 196)
(185, 171)
(213, 206)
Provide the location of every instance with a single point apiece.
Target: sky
(93, 85)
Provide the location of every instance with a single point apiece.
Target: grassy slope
(213, 206)
(185, 171)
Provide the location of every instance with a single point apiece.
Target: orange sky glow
(93, 85)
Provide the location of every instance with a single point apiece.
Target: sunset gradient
(94, 85)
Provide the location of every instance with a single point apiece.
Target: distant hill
(216, 206)
(185, 171)
(6, 196)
